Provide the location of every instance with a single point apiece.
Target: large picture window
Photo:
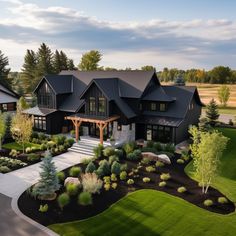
(101, 104)
(92, 104)
(40, 123)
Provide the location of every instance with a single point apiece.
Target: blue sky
(129, 33)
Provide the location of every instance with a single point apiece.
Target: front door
(95, 132)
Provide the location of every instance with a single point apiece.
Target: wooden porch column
(101, 129)
(77, 124)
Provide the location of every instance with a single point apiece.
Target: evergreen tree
(22, 104)
(8, 126)
(204, 125)
(45, 59)
(28, 78)
(212, 112)
(71, 65)
(90, 60)
(4, 71)
(57, 62)
(64, 61)
(48, 183)
(179, 80)
(2, 128)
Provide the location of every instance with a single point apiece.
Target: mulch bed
(29, 206)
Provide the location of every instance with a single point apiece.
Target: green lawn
(149, 212)
(18, 147)
(227, 110)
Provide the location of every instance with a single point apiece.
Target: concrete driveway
(12, 185)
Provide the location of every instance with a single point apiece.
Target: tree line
(44, 61)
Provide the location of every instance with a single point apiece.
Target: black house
(8, 99)
(127, 105)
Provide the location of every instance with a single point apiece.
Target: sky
(129, 33)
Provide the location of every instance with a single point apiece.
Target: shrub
(123, 175)
(86, 160)
(150, 169)
(98, 151)
(90, 167)
(51, 144)
(123, 167)
(130, 181)
(91, 183)
(115, 168)
(181, 189)
(13, 153)
(72, 189)
(28, 150)
(61, 148)
(112, 159)
(61, 176)
(63, 200)
(59, 139)
(222, 200)
(134, 156)
(70, 141)
(113, 177)
(180, 161)
(75, 171)
(162, 184)
(108, 151)
(129, 147)
(146, 180)
(107, 186)
(85, 198)
(208, 202)
(158, 146)
(43, 208)
(107, 179)
(104, 166)
(169, 147)
(33, 157)
(119, 153)
(43, 147)
(131, 156)
(42, 136)
(147, 149)
(137, 153)
(159, 164)
(114, 185)
(145, 161)
(4, 169)
(165, 176)
(185, 155)
(150, 144)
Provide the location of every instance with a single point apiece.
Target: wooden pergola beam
(102, 124)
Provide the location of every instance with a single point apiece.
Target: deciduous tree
(90, 60)
(223, 95)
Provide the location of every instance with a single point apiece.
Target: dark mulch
(102, 201)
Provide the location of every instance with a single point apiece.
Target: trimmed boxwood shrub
(112, 159)
(180, 161)
(63, 200)
(119, 153)
(130, 181)
(90, 167)
(181, 189)
(72, 189)
(108, 151)
(222, 200)
(113, 177)
(129, 147)
(162, 184)
(107, 186)
(75, 171)
(159, 164)
(123, 175)
(146, 180)
(105, 167)
(61, 176)
(33, 157)
(98, 151)
(165, 176)
(114, 185)
(145, 161)
(4, 169)
(85, 199)
(107, 179)
(115, 168)
(150, 169)
(208, 202)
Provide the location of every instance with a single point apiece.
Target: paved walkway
(12, 185)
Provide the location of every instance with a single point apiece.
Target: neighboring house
(128, 105)
(8, 99)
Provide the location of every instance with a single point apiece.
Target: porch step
(86, 145)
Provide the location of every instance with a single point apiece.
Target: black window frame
(161, 106)
(101, 105)
(92, 104)
(153, 106)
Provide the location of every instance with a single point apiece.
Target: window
(101, 104)
(40, 122)
(92, 104)
(153, 106)
(4, 107)
(162, 106)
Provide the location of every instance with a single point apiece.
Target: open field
(150, 212)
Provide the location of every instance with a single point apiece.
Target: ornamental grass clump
(146, 180)
(165, 176)
(222, 200)
(130, 181)
(150, 169)
(159, 164)
(181, 189)
(91, 183)
(162, 184)
(208, 203)
(123, 175)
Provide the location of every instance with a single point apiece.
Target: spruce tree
(64, 61)
(4, 71)
(45, 60)
(29, 78)
(48, 183)
(212, 112)
(57, 62)
(71, 65)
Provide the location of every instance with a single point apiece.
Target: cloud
(187, 42)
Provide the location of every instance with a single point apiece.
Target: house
(8, 99)
(127, 105)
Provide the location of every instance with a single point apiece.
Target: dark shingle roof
(8, 91)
